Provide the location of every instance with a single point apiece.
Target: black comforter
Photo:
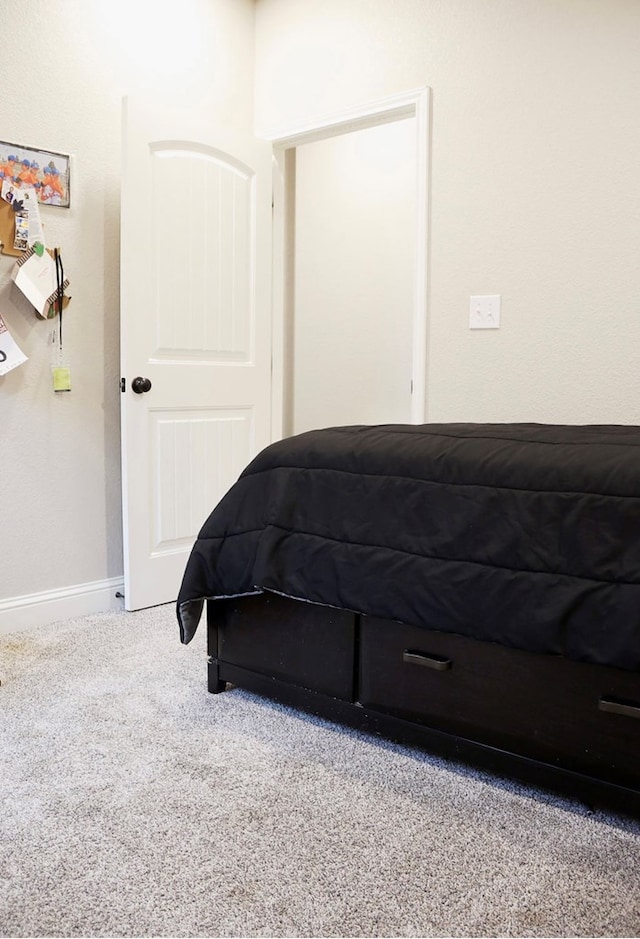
(522, 534)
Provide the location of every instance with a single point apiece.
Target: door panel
(195, 321)
(198, 454)
(204, 230)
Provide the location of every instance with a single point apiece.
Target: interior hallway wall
(535, 189)
(354, 278)
(65, 67)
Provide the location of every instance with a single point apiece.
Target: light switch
(484, 312)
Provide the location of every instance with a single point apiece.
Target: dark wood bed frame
(565, 726)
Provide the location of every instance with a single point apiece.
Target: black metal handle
(437, 662)
(616, 706)
(140, 385)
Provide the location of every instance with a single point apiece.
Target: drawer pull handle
(615, 706)
(437, 662)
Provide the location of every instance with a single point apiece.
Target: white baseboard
(49, 606)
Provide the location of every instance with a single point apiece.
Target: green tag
(61, 378)
(39, 249)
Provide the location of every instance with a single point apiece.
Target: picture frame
(47, 171)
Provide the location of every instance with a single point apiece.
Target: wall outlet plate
(484, 312)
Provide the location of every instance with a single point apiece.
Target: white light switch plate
(484, 312)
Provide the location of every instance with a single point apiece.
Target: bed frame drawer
(311, 646)
(543, 707)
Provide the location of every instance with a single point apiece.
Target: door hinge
(123, 384)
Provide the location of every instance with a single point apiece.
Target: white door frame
(417, 104)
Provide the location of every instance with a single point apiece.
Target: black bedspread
(523, 534)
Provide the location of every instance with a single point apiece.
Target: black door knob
(140, 385)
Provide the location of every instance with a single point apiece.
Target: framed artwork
(43, 170)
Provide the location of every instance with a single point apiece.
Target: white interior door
(195, 323)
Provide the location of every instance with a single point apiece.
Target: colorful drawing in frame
(45, 171)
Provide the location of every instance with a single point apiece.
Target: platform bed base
(567, 727)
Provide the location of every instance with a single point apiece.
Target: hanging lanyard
(60, 288)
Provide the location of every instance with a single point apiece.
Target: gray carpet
(136, 804)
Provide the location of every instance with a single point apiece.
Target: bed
(470, 588)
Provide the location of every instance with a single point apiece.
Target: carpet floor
(136, 804)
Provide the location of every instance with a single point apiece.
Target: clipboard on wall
(8, 230)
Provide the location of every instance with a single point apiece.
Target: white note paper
(11, 355)
(36, 278)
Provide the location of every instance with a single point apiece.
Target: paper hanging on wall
(21, 236)
(20, 221)
(35, 275)
(35, 233)
(11, 355)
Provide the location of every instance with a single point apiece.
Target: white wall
(535, 195)
(535, 191)
(65, 67)
(354, 276)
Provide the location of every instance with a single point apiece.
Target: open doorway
(354, 245)
(350, 268)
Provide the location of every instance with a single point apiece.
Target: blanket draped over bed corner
(522, 534)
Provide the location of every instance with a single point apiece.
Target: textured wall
(65, 68)
(535, 195)
(535, 182)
